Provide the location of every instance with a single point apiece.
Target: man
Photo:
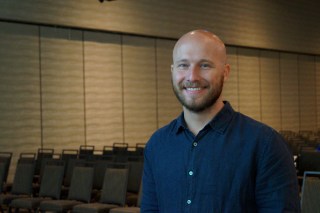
(211, 158)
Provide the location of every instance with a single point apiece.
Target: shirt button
(189, 202)
(190, 173)
(195, 144)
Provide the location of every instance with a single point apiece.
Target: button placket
(190, 173)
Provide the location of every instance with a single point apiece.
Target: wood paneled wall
(62, 87)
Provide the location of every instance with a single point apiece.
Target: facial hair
(207, 101)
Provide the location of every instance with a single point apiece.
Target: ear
(226, 72)
(171, 67)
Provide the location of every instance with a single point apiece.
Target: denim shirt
(235, 164)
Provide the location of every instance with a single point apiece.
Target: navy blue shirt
(235, 164)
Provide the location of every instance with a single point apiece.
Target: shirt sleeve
(276, 180)
(149, 203)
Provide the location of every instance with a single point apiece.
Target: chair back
(309, 160)
(100, 167)
(120, 152)
(140, 148)
(135, 175)
(107, 151)
(140, 195)
(6, 158)
(81, 184)
(48, 161)
(23, 178)
(2, 174)
(86, 151)
(51, 181)
(115, 186)
(310, 193)
(43, 153)
(69, 154)
(27, 157)
(71, 164)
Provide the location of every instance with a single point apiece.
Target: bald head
(201, 38)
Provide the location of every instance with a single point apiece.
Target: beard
(205, 102)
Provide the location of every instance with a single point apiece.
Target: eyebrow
(182, 60)
(206, 60)
(201, 61)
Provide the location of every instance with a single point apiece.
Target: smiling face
(199, 70)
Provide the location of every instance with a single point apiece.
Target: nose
(193, 73)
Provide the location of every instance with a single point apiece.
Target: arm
(276, 181)
(149, 197)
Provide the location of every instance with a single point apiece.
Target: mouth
(193, 88)
(194, 91)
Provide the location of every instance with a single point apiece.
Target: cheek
(177, 77)
(215, 78)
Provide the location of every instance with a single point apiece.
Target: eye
(183, 66)
(205, 66)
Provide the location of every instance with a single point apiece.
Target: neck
(196, 121)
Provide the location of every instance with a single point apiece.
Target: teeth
(193, 89)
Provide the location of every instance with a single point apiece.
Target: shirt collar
(219, 123)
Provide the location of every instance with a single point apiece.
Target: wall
(102, 73)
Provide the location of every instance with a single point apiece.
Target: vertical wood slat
(307, 92)
(317, 67)
(62, 88)
(289, 92)
(139, 88)
(231, 86)
(249, 83)
(270, 89)
(103, 89)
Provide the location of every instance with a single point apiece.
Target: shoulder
(254, 126)
(163, 133)
(259, 134)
